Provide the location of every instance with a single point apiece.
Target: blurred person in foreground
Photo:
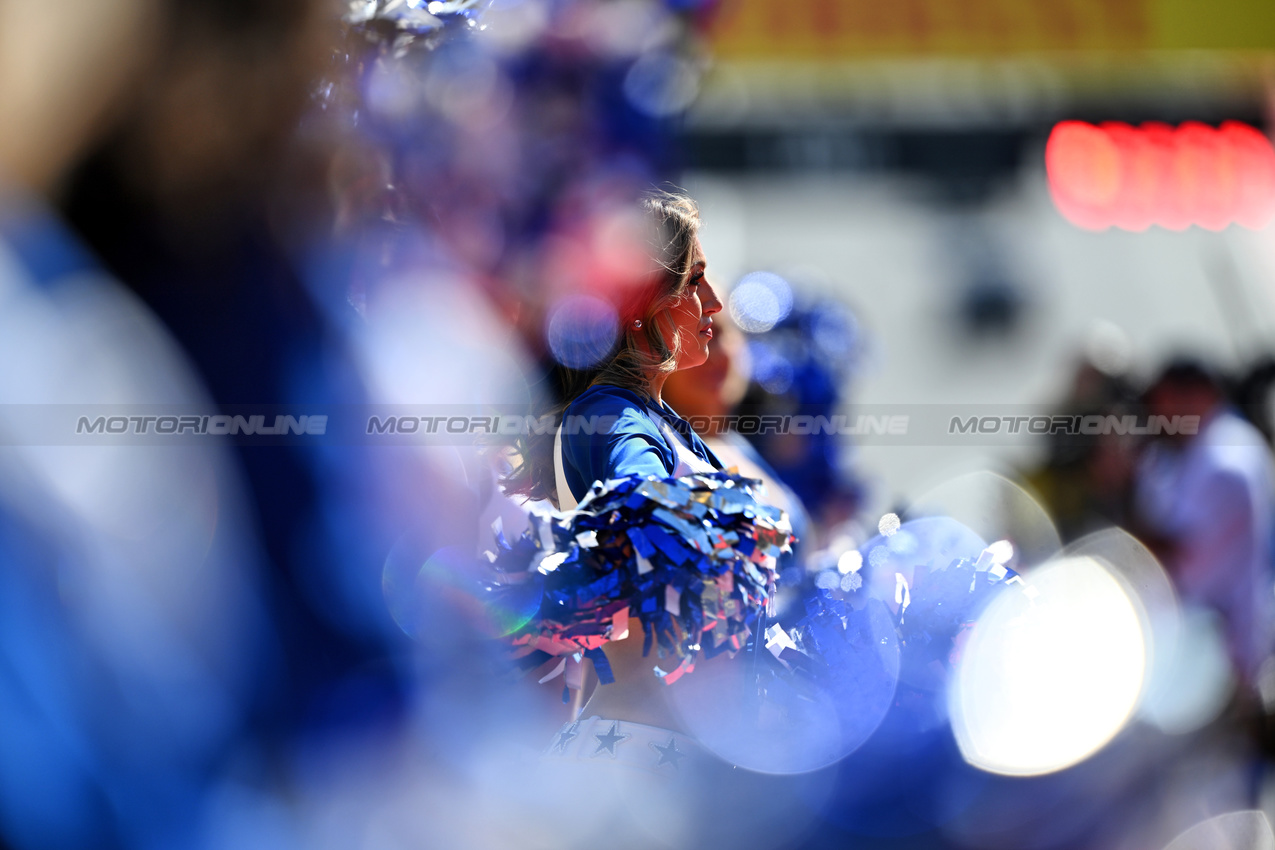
(130, 633)
(1204, 498)
(208, 200)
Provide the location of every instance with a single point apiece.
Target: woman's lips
(707, 332)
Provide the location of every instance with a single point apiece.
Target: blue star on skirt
(669, 753)
(607, 742)
(565, 736)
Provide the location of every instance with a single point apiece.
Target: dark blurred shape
(1086, 481)
(990, 307)
(990, 303)
(963, 166)
(1254, 395)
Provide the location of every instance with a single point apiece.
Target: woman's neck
(657, 387)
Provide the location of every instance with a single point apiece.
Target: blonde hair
(655, 346)
(642, 352)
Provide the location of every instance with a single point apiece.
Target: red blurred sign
(1117, 175)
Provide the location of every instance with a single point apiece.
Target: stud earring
(637, 324)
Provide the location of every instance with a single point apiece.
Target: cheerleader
(667, 327)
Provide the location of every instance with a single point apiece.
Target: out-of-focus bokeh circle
(997, 509)
(1049, 674)
(434, 596)
(582, 331)
(1232, 831)
(1188, 677)
(914, 549)
(760, 301)
(662, 84)
(795, 727)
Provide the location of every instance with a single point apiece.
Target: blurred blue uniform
(129, 628)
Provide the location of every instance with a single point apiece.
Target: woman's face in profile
(692, 315)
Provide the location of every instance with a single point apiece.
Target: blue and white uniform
(645, 439)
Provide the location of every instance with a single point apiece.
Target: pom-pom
(401, 24)
(692, 558)
(930, 612)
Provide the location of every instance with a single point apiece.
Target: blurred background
(1055, 213)
(896, 161)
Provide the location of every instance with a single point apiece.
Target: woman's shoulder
(608, 432)
(620, 414)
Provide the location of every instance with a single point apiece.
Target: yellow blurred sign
(840, 29)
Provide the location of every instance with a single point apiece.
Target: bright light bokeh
(1232, 831)
(1117, 175)
(996, 509)
(581, 331)
(760, 301)
(1188, 676)
(1191, 686)
(1051, 673)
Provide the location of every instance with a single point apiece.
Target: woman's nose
(711, 304)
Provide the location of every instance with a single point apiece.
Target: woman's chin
(693, 357)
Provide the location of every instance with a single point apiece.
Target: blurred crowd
(299, 207)
(1198, 496)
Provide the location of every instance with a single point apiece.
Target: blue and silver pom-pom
(692, 558)
(947, 590)
(401, 24)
